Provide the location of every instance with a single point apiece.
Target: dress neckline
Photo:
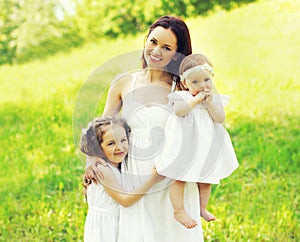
(132, 94)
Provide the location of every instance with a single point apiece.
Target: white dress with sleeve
(151, 218)
(197, 149)
(102, 220)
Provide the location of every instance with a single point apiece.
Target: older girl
(108, 138)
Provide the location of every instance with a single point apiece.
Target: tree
(9, 22)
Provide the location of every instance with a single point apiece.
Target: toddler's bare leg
(204, 191)
(177, 199)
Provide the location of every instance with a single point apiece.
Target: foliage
(40, 190)
(36, 28)
(8, 23)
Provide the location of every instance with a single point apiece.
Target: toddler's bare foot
(182, 217)
(207, 215)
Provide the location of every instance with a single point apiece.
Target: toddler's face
(198, 81)
(114, 143)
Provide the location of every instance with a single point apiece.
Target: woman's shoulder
(122, 79)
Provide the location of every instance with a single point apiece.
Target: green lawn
(255, 50)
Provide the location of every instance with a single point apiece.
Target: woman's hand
(92, 172)
(156, 177)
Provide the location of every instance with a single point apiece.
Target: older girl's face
(160, 48)
(114, 144)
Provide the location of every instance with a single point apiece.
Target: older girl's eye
(124, 140)
(207, 80)
(110, 143)
(194, 82)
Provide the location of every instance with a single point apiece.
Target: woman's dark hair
(184, 46)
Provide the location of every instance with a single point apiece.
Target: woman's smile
(160, 47)
(154, 58)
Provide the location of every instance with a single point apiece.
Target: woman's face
(114, 144)
(160, 48)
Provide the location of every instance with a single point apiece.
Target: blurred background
(50, 49)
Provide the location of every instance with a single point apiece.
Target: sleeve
(221, 99)
(175, 96)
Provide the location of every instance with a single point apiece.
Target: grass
(255, 53)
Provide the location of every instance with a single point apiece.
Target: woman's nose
(156, 50)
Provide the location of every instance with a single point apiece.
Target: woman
(142, 96)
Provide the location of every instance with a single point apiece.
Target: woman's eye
(110, 143)
(124, 140)
(167, 48)
(207, 80)
(153, 41)
(194, 82)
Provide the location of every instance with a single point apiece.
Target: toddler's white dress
(197, 149)
(102, 220)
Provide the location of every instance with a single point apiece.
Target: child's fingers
(101, 161)
(97, 174)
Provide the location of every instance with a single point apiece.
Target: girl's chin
(119, 158)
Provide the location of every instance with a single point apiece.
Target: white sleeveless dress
(102, 220)
(197, 149)
(151, 218)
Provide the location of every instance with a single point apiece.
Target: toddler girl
(196, 138)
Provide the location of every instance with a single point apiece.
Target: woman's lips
(154, 58)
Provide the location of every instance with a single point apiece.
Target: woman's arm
(114, 97)
(113, 105)
(124, 198)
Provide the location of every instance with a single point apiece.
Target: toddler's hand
(200, 96)
(208, 95)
